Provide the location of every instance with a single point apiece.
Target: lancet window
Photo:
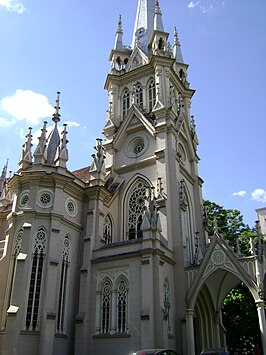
(167, 303)
(63, 286)
(36, 279)
(151, 94)
(107, 230)
(126, 102)
(136, 207)
(122, 307)
(106, 308)
(139, 95)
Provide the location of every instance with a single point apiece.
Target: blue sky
(48, 46)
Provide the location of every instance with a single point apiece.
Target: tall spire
(119, 36)
(144, 24)
(3, 177)
(177, 50)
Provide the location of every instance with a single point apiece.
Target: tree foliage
(230, 225)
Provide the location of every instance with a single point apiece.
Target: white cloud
(259, 195)
(5, 122)
(193, 4)
(241, 193)
(27, 105)
(13, 5)
(72, 124)
(209, 7)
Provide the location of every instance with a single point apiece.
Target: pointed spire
(26, 156)
(54, 137)
(97, 169)
(144, 24)
(3, 177)
(119, 36)
(39, 157)
(62, 157)
(177, 50)
(158, 22)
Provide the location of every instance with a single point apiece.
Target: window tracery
(122, 307)
(106, 308)
(139, 95)
(136, 207)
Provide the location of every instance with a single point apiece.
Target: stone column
(261, 315)
(190, 332)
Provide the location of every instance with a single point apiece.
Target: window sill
(108, 336)
(58, 335)
(30, 332)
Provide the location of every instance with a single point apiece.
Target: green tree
(239, 311)
(230, 225)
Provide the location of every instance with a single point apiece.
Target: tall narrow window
(36, 279)
(107, 230)
(152, 94)
(136, 205)
(122, 307)
(126, 102)
(62, 288)
(106, 308)
(139, 95)
(167, 303)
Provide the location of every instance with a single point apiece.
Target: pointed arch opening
(125, 102)
(107, 230)
(135, 202)
(151, 94)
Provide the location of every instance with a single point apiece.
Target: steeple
(119, 36)
(3, 177)
(144, 23)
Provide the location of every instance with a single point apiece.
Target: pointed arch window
(167, 304)
(139, 95)
(36, 279)
(151, 95)
(122, 307)
(136, 207)
(187, 224)
(107, 230)
(126, 102)
(63, 286)
(106, 305)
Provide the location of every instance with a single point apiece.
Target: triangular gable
(218, 256)
(133, 119)
(137, 59)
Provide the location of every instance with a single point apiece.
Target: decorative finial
(157, 7)
(56, 115)
(176, 39)
(119, 27)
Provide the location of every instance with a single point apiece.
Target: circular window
(24, 199)
(137, 146)
(45, 199)
(71, 207)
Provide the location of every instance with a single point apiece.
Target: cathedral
(115, 257)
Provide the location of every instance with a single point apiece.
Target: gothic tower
(115, 257)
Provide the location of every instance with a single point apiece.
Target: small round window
(71, 207)
(24, 199)
(137, 146)
(45, 198)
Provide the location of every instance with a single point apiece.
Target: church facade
(115, 257)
